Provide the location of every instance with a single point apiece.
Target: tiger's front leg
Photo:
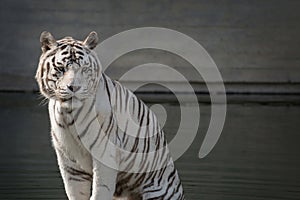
(77, 182)
(104, 181)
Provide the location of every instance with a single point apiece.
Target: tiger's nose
(73, 88)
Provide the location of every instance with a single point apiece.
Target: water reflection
(257, 156)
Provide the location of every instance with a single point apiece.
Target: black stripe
(56, 121)
(171, 187)
(135, 146)
(80, 53)
(79, 47)
(109, 126)
(157, 142)
(63, 47)
(53, 59)
(106, 86)
(108, 131)
(133, 105)
(143, 113)
(79, 173)
(97, 137)
(92, 105)
(53, 80)
(139, 108)
(78, 112)
(75, 179)
(124, 132)
(172, 174)
(153, 190)
(64, 53)
(87, 127)
(118, 93)
(118, 136)
(127, 100)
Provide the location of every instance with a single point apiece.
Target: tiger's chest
(65, 137)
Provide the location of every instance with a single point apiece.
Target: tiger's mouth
(72, 97)
(69, 100)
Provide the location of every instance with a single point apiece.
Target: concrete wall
(252, 41)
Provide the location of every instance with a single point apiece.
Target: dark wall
(251, 41)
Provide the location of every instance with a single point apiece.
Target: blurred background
(255, 45)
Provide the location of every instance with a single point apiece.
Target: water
(257, 156)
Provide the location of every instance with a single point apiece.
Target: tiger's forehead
(69, 41)
(69, 50)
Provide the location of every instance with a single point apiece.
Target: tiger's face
(68, 68)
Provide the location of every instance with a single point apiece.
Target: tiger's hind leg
(171, 192)
(165, 186)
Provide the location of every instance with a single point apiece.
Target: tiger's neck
(65, 114)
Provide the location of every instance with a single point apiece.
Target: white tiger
(102, 154)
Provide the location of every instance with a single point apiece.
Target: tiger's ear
(91, 40)
(47, 41)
